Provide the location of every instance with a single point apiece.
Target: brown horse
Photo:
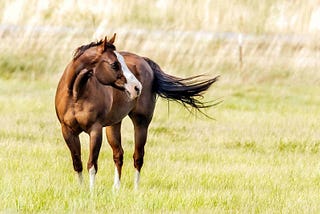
(101, 86)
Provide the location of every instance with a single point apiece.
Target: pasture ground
(260, 154)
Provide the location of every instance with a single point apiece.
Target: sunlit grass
(258, 155)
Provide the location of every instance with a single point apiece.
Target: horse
(101, 86)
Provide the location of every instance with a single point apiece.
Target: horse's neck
(71, 73)
(80, 80)
(76, 66)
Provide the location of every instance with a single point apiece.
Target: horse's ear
(112, 39)
(104, 43)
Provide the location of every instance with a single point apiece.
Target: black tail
(187, 91)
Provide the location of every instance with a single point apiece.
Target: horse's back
(139, 67)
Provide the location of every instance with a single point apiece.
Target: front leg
(95, 145)
(73, 143)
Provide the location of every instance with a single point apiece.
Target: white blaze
(132, 81)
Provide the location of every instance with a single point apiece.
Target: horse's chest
(87, 113)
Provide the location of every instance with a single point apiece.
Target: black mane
(80, 50)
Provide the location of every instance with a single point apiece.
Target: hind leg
(114, 139)
(141, 124)
(138, 155)
(73, 143)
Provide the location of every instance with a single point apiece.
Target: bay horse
(101, 86)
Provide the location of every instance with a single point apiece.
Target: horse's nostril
(137, 89)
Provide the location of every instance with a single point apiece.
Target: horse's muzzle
(133, 90)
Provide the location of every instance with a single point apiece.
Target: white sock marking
(92, 174)
(80, 177)
(116, 183)
(136, 180)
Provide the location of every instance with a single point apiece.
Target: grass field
(259, 155)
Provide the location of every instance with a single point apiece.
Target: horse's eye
(115, 66)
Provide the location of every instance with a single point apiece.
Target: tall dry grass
(280, 37)
(267, 16)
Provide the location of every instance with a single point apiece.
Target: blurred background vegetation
(280, 37)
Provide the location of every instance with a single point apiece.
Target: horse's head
(112, 70)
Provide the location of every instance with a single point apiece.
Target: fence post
(240, 41)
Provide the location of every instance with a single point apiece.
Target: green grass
(260, 155)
